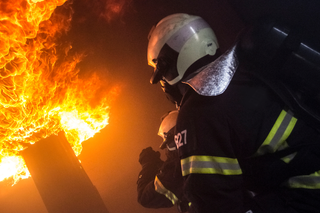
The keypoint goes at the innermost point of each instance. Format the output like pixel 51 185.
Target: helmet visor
pixel 159 70
pixel 168 140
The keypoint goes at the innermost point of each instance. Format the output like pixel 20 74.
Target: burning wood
pixel 40 91
pixel 61 181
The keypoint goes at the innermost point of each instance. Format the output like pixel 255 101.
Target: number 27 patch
pixel 181 138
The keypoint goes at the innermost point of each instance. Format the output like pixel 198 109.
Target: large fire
pixel 40 91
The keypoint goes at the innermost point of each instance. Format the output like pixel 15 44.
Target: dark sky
pixel 116 43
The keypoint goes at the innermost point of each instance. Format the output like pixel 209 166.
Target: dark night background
pixel 114 35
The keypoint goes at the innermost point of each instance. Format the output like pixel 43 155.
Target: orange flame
pixel 40 91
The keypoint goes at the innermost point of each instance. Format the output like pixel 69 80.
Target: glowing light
pixel 40 91
pixel 13 166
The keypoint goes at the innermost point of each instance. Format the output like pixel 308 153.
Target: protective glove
pixel 149 156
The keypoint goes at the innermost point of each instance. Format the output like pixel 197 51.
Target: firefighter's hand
pixel 148 155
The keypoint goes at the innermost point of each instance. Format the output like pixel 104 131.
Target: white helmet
pixel 176 43
pixel 166 130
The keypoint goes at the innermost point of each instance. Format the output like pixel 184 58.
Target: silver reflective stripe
pixel 278 134
pixel 306 181
pixel 210 165
pixel 162 190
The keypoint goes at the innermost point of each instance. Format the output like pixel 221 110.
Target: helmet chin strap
pixel 172 92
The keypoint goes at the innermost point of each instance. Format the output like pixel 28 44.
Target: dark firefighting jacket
pixel 161 187
pixel 246 139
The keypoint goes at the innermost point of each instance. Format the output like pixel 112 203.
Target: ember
pixel 41 92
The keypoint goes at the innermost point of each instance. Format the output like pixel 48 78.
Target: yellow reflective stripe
pixel 288 158
pixel 278 134
pixel 305 181
pixel 210 165
pixel 159 187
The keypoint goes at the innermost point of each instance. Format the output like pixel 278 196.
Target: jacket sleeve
pixel 147 195
pixel 169 181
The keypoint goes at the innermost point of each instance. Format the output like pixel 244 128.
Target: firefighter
pixel 241 148
pixel 160 183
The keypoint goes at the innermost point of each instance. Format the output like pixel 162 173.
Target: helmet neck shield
pixel 214 78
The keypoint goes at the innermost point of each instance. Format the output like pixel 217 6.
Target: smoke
pixel 109 10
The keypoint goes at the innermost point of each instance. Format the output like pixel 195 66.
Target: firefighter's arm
pixel 147 196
